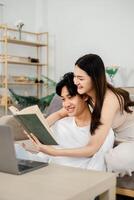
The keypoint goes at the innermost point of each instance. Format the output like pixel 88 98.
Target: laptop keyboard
pixel 23 167
pixel 29 164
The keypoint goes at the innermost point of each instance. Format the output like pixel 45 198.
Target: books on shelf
pixel 34 122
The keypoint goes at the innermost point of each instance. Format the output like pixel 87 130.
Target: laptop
pixel 8 161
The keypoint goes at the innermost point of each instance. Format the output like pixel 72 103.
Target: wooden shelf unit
pixel 36 41
pixel 23 42
pixel 23 63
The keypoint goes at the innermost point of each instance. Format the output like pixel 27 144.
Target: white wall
pixel 1 11
pixel 32 12
pixel 76 27
pixel 41 15
pixel 104 27
pixel 21 10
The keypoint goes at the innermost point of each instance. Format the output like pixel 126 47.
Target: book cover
pixel 34 122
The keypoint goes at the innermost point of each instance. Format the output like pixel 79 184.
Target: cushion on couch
pixel 16 128
pixel 55 105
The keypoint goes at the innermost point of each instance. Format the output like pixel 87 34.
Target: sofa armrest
pixel 16 128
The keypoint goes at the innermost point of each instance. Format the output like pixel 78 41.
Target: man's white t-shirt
pixel 69 135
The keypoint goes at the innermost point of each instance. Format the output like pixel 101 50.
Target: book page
pixel 34 122
pixel 31 110
pixel 34 110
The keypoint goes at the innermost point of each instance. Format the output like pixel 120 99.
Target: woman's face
pixel 83 81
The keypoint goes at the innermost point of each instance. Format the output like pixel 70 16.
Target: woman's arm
pixel 86 151
pixel 50 150
pixel 109 110
pixel 51 119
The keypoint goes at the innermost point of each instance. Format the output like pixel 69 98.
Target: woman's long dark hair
pixel 93 65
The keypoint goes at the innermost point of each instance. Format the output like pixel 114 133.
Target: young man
pixel 72 133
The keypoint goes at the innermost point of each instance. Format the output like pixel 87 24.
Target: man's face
pixel 73 105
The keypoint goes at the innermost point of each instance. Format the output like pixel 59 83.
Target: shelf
pixel 37 47
pixel 2 105
pixel 3 101
pixel 23 63
pixel 23 83
pixel 24 42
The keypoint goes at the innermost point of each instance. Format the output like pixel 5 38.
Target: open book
pixel 34 122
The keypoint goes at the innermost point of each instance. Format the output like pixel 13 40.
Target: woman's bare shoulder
pixel 110 96
pixel 111 100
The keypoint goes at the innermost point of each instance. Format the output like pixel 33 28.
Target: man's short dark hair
pixel 68 81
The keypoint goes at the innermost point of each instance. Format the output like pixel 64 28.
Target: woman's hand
pixel 29 147
pixel 48 149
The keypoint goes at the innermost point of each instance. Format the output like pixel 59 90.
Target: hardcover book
pixel 34 122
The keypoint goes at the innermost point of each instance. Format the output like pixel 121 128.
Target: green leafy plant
pixel 25 101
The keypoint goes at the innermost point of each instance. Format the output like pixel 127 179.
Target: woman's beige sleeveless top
pixel 123 125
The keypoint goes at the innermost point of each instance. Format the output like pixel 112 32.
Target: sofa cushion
pixel 16 128
pixel 55 105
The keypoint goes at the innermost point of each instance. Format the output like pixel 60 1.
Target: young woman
pixel 109 106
